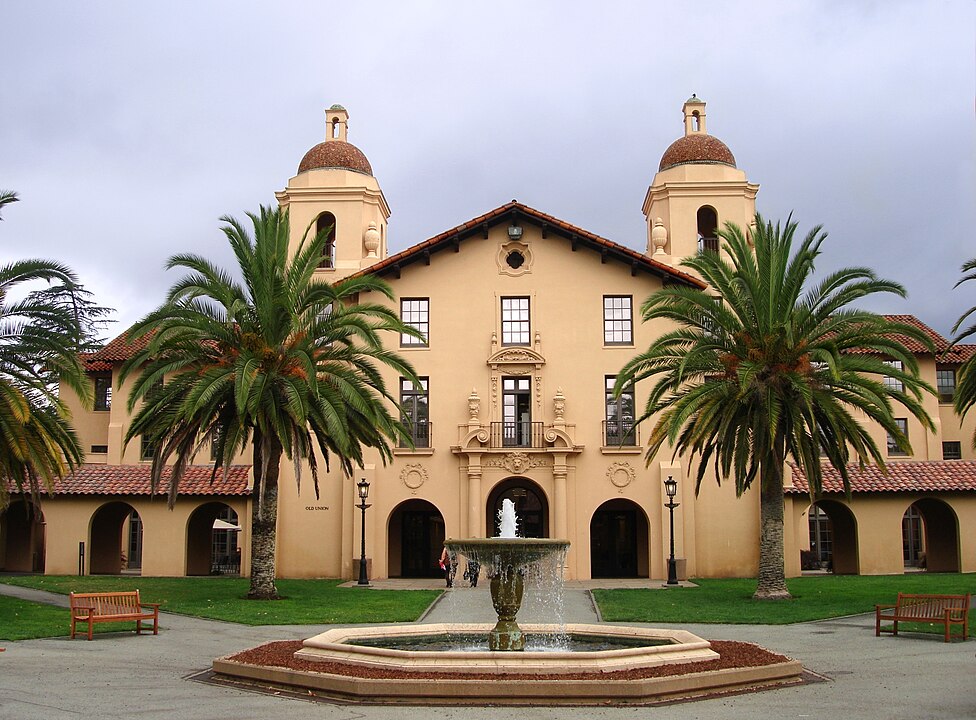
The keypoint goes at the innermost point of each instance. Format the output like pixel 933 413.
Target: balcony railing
pixel 517 434
pixel 419 432
pixel 620 433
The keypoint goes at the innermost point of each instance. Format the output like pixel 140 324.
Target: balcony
pixel 620 433
pixel 516 435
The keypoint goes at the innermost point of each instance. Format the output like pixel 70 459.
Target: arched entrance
pixel 115 540
pixel 22 538
pixel 619 540
pixel 212 532
pixel 930 536
pixel 833 537
pixel 531 507
pixel 415 538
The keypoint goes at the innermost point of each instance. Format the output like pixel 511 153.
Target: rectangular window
pixel 945 380
pixel 103 392
pixel 952 450
pixel 893 448
pixel 414 399
pixel 415 312
pixel 515 321
pixel 102 449
pixel 517 430
pixel 618 320
pixel 894 383
pixel 620 429
pixel 146 449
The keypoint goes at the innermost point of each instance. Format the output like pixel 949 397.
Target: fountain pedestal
pixel 507 587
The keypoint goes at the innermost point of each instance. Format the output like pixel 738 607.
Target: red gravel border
pixel 733 654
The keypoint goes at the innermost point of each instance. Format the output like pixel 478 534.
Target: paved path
pixel 910 677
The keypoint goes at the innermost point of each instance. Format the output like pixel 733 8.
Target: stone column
pixel 475 511
pixel 559 473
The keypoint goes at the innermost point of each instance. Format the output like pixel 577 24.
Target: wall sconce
pixel 514 232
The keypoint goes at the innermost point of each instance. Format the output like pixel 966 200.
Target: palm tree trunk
pixel 264 521
pixel 772 572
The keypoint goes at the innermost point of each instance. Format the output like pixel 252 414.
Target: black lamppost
pixel 363 489
pixel 671 488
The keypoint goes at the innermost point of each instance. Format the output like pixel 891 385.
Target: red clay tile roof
pixel 335 154
pixel 92 479
pixel 914 346
pixel 119 349
pixel 513 210
pixel 908 476
pixel 697 148
pixel 957 354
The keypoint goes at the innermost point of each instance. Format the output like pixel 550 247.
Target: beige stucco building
pixel 526 319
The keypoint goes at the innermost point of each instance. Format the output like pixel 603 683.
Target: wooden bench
pixel 946 610
pixel 94 608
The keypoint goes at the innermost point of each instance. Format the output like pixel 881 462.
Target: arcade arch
pixel 212 533
pixel 833 537
pixel 115 540
pixel 930 536
pixel 619 540
pixel 415 538
pixel 22 538
pixel 531 507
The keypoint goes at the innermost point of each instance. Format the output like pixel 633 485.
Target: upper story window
pixel 945 380
pixel 894 383
pixel 619 427
pixel 952 450
pixel 893 448
pixel 414 400
pixel 326 222
pixel 618 320
pixel 515 321
pixel 103 392
pixel 707 229
pixel 146 449
pixel 415 312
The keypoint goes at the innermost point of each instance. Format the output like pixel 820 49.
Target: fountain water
pixel 399 663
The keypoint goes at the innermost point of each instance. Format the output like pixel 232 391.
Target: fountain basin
pixel 337 645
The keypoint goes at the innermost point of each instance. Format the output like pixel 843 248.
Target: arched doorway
pixel 833 537
pixel 115 540
pixel 619 541
pixel 930 536
pixel 22 538
pixel 531 507
pixel 212 532
pixel 415 538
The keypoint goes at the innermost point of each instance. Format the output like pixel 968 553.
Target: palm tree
pixel 38 342
pixel 281 362
pixel 7 197
pixel 768 371
pixel 965 396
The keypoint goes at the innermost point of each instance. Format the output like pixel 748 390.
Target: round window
pixel 515 259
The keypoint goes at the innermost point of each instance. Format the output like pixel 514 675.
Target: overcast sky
pixel 129 128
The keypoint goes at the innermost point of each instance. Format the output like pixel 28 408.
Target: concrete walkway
pixel 123 676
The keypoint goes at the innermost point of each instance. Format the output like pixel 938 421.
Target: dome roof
pixel 697 148
pixel 335 154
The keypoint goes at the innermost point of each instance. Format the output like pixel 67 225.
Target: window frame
pixel 513 320
pixel 420 323
pixel 328 260
pixel 626 437
pixel 958 450
pixel 610 321
pixel 103 396
pixel 945 398
pixel 892 383
pixel 409 405
pixel 893 449
pixel 146 450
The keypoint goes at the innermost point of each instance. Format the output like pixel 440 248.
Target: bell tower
pixel 697 189
pixel 335 190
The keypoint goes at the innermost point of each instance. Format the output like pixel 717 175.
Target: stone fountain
pixel 443 663
pixel 505 559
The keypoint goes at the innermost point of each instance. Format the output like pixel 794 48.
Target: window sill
pixel 621 450
pixel 418 451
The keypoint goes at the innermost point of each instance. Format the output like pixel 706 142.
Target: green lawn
pixel 21 620
pixel 815 598
pixel 306 602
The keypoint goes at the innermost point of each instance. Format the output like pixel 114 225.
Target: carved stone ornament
pixel 413 476
pixel 659 236
pixel 371 240
pixel 516 462
pixel 514 259
pixel 474 405
pixel 621 474
pixel 559 404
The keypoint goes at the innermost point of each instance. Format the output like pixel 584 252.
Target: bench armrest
pixel 879 608
pixel 152 605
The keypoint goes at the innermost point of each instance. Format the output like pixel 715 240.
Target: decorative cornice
pixel 516 356
pixel 516 462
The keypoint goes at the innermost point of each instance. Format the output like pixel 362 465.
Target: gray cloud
pixel 129 128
